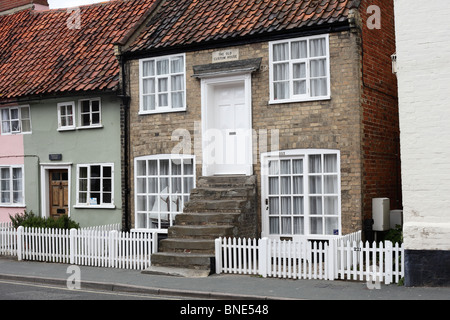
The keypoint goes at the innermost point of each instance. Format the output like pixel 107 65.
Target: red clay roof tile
pixel 39 54
pixel 188 22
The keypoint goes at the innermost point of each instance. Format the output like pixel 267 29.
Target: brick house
pixel 284 112
pixel 60 109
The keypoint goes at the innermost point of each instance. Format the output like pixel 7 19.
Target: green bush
pixel 29 219
pixel 395 235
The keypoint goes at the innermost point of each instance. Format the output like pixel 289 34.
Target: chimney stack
pixel 11 6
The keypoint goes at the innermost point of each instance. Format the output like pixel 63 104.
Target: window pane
pixel 273 185
pixel 176 185
pixel 153 185
pixel 153 167
pixel 164 167
pixel 315 205
pixel 95 171
pixel 107 197
pixel 107 172
pixel 164 185
pixel 330 163
pixel 286 227
pixel 82 197
pixel 95 185
pixel 331 205
pixel 95 105
pixel 95 118
pixel 148 68
pixel 317 47
pixel 285 185
pixel 319 87
pixel 162 67
pixel 318 68
pixel 163 100
pixel 273 167
pixel 299 225
pixel 331 226
pixel 297 166
pixel 274 225
pixel 299 49
pixel 315 184
pixel 5 114
pixel 188 184
pixel 281 90
pixel 286 205
pixel 285 166
pixel 85 106
pixel 280 71
pixel 188 168
pixel 141 185
pixel 149 103
pixel 274 205
pixel 315 164
pixel 86 119
pixel 316 225
pixel 300 87
pixel 281 52
pixel 177 65
pixel 176 168
pixel 83 172
pixel 298 185
pixel 107 185
pixel 148 86
pixel 299 71
pixel 330 184
pixel 141 167
pixel 298 206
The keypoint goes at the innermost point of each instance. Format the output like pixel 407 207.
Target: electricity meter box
pixel 381 214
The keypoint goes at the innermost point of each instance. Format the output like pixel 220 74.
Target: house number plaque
pixel 225 55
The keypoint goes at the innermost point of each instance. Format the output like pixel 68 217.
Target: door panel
pixel 59 193
pixel 232 125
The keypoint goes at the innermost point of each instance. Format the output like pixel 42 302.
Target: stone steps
pixel 216 209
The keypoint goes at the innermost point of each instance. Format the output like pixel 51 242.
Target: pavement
pixel 214 287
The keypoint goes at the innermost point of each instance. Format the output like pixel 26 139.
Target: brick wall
pixel 11 4
pixel 329 124
pixel 380 137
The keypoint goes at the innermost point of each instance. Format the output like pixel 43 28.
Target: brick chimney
pixel 13 5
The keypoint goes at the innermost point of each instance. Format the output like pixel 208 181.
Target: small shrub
pixel 29 219
pixel 395 235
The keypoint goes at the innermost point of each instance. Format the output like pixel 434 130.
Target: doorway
pixel 59 192
pixel 227 126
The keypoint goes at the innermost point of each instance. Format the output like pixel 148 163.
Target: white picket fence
pixel 102 246
pixel 346 257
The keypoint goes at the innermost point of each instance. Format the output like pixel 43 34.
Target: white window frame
pixel 11 189
pixel 300 154
pixel 96 125
pixel 87 204
pixel 307 96
pixel 149 214
pixel 19 119
pixel 169 107
pixel 74 112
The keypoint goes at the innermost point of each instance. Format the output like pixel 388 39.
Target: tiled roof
pixel 40 54
pixel 189 22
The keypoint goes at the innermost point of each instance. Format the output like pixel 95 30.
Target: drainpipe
pixel 125 150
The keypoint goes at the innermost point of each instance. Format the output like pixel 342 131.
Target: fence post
pixel 388 262
pixel 112 248
pixel 218 254
pixel 72 245
pixel 19 243
pixel 263 257
pixel 331 255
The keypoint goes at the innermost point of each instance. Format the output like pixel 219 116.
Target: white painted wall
pixel 423 58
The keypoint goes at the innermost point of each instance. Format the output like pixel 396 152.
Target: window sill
pixel 86 206
pixel 67 129
pixel 90 127
pixel 142 113
pixel 299 100
pixel 19 205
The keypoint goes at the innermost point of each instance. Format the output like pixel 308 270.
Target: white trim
pixel 14 205
pixel 307 96
pixel 298 153
pixel 45 187
pixel 169 108
pixel 102 205
pixel 91 126
pixel 159 157
pixel 74 112
pixel 20 120
pixel 206 85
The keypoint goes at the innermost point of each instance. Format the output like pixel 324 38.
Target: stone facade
pixel 326 124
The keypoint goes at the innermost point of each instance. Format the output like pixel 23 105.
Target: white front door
pixel 227 135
